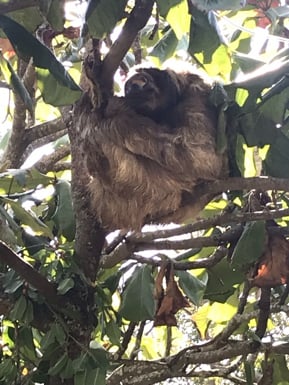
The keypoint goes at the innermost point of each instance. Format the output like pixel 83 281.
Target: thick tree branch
pixel 47 163
pixel 135 22
pixel 44 129
pixel 27 272
pixel 89 238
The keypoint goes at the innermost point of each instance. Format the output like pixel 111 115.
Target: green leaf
pixel 95 377
pixel 59 366
pixel 222 279
pixel 59 333
pixel 102 16
pixel 29 218
pixel 113 332
pixel 8 370
pixel 165 5
pixel 19 308
pixel 64 214
pixel 13 79
pixel 138 302
pixel 277 160
pixel 203 36
pixel 65 285
pixel 55 15
pixel 179 19
pixel 68 371
pixel 257 129
pixel 80 377
pixel 28 315
pixel 19 180
pixel 280 370
pixel 249 372
pixel 250 246
pixel 193 287
pixel 165 47
pixel 27 46
pixel 26 343
pixel 53 92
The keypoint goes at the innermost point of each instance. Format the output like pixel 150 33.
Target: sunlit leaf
pixel 15 181
pixel 203 36
pixel 200 319
pixel 53 92
pixel 221 312
pixel 165 5
pixel 179 19
pixel 29 218
pixel 165 47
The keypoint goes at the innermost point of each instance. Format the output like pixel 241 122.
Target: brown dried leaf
pixel 273 268
pixel 171 301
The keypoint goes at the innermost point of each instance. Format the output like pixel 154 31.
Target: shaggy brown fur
pixel 150 148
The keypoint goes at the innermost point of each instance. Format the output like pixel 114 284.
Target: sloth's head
pixel 152 92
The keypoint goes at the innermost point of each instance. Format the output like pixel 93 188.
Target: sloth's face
pixel 142 93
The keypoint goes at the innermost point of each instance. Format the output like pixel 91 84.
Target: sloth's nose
pixel 134 86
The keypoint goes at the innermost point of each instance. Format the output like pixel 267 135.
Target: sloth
pixel 148 150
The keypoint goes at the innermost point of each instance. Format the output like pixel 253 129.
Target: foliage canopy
pixel 204 300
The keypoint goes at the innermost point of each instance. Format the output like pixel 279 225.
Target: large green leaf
pixel 55 15
pixel 257 129
pixel 102 16
pixel 138 302
pixel 13 79
pixel 203 36
pixel 64 214
pixel 250 246
pixel 27 46
pixel 221 282
pixel 179 19
pixel 28 218
pixel 17 181
pixel 193 287
pixel 53 92
pixel 165 5
pixel 165 47
pixel 277 159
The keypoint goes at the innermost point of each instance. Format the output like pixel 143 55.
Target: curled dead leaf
pixel 171 300
pixel 273 266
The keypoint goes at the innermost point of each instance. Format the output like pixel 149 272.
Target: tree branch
pixel 27 272
pixel 135 22
pixel 214 351
pixel 44 129
pixel 47 162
